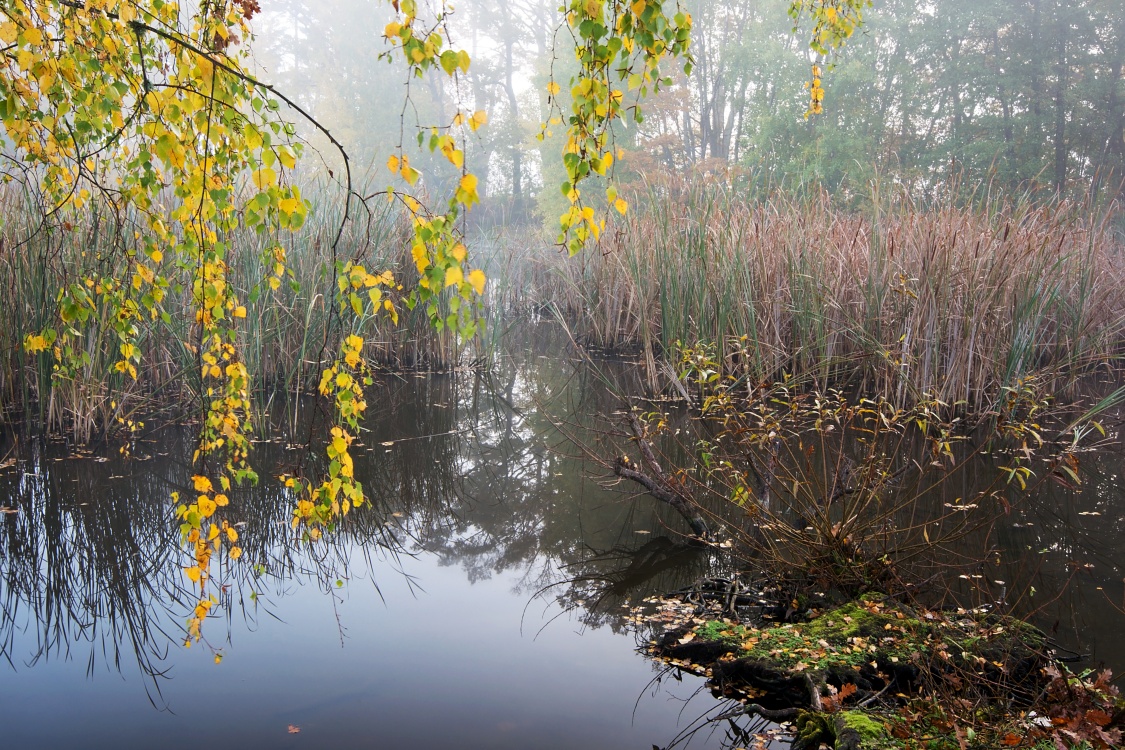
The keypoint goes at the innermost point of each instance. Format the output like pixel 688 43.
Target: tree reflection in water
pixel 463 468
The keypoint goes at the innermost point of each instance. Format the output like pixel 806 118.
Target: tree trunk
pixel 1060 109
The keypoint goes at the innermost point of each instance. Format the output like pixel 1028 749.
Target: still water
pixel 481 601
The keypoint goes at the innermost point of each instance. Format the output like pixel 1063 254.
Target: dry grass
pixel 898 300
pixel 957 302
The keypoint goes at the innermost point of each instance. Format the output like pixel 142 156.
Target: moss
pixel 849 729
pixel 847 637
pixel 875 631
pixel 867 726
pixel 721 630
pixel 863 648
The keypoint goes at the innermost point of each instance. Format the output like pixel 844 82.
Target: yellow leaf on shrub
pixel 477 280
pixel 453 275
pixel 264 178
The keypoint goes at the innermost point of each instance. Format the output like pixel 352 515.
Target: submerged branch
pixel 660 487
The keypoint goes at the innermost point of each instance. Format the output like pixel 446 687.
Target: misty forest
pixel 570 373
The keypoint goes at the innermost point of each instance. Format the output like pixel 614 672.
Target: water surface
pixel 481 601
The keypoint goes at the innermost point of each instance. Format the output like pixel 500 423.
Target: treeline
pixel 1026 93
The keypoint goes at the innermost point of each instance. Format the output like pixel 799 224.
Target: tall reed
pixel 285 338
pixel 954 301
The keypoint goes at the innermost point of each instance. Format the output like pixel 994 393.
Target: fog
pixel 1023 95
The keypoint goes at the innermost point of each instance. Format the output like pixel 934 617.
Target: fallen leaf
pixel 1097 717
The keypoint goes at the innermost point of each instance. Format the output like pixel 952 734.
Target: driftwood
pixel 659 485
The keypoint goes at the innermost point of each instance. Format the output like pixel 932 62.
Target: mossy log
pixel 870 647
pixel 845 730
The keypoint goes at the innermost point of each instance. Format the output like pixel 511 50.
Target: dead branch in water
pixel 659 485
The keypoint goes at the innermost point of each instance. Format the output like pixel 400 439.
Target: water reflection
pixel 457 592
pixel 478 528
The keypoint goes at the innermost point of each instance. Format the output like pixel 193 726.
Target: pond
pixel 482 600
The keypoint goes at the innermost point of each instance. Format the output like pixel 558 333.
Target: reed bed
pixel 958 302
pixel 287 336
pixel 898 300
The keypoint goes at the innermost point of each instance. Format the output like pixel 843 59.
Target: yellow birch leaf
pixel 264 178
pixel 477 280
pixel 286 157
pixel 467 190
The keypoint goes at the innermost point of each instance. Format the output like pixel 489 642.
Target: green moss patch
pixel 872 642
pixel 879 675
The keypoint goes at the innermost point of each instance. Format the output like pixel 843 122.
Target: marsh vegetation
pixel 789 345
